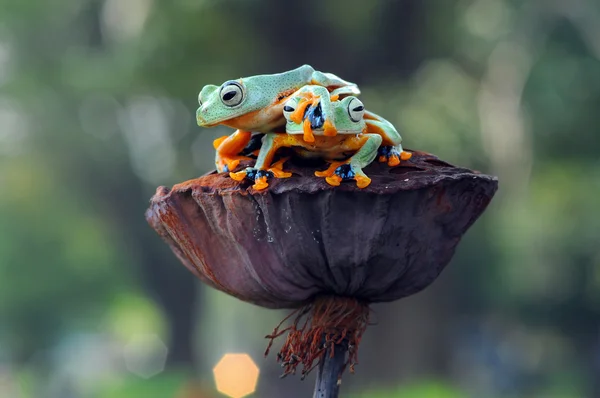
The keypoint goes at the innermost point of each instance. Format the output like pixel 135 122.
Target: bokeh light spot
pixel 145 355
pixel 236 375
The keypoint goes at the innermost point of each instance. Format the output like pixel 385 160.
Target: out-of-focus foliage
pixel 425 389
pixel 97 101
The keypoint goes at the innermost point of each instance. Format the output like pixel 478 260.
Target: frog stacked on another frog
pixel 283 106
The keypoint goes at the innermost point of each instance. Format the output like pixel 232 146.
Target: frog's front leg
pixel 314 111
pixel 391 150
pixel 366 146
pixel 262 170
pixel 229 148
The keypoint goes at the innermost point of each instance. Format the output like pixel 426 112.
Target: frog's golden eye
pixel 356 110
pixel 289 107
pixel 232 93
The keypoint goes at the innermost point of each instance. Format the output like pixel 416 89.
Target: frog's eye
pixel 232 93
pixel 289 107
pixel 356 110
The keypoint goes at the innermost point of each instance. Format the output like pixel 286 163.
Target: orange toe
pixel 334 180
pixel 405 155
pixel 393 161
pixel 260 183
pixel 362 181
pixel 233 164
pixel 382 159
pixel 239 176
pixel 277 173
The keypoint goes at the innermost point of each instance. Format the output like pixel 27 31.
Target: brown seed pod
pixel 302 239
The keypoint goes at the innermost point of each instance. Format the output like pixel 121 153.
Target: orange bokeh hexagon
pixel 236 375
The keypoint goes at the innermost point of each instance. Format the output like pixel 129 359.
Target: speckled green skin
pixel 338 113
pixel 379 130
pixel 260 111
pixel 262 92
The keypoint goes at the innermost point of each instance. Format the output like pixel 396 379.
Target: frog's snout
pixel 201 121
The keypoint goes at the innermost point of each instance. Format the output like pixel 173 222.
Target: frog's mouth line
pixel 203 123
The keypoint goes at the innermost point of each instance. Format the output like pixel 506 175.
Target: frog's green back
pixel 258 92
pixel 261 93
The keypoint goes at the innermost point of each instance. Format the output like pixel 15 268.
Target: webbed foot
pixel 330 171
pixel 261 177
pixel 392 156
pixel 277 169
pixel 229 163
pixel 339 171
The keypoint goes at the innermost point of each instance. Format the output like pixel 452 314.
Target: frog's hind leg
pixel 330 170
pixel 367 145
pixel 277 169
pixel 229 149
pixel 391 150
pixel 335 83
pixel 263 169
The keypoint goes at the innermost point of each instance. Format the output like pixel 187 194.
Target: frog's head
pixel 347 116
pixel 220 103
pixel 247 97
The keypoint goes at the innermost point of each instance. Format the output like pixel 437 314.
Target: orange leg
pixel 219 141
pixel 277 169
pixel 271 144
pixel 365 146
pixel 329 172
pixel 298 114
pixel 228 149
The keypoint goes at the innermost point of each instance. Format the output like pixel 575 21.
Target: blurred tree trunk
pixel 410 339
pixel 394 25
pixel 165 280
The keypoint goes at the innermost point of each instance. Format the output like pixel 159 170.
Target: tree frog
pixel 255 105
pixel 309 113
pixel 350 137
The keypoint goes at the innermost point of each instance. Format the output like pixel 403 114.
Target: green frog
pixel 319 124
pixel 254 105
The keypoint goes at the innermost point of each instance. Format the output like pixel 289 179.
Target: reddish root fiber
pixel 322 324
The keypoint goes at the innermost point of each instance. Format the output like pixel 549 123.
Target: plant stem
pixel 329 375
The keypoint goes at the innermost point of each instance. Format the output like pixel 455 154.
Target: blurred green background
pixel 97 102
